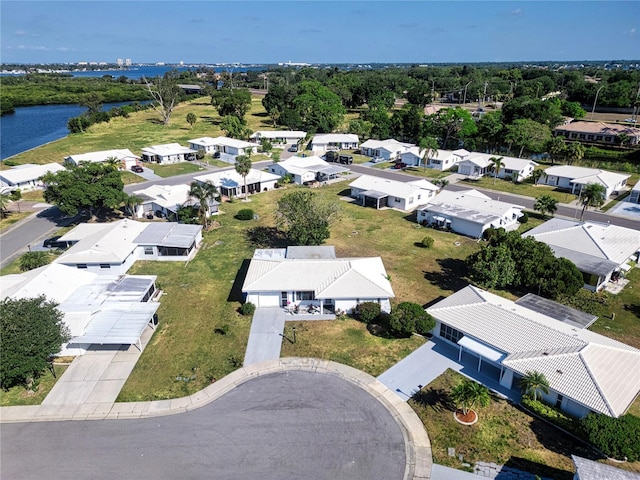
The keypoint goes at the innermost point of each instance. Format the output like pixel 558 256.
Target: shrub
pixel 247 309
pixel 524 218
pixel 616 437
pixel 368 312
pixel 427 242
pixel 245 214
pixel 408 317
pixel 551 414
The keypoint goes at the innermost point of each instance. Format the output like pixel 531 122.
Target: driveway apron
pixel 265 337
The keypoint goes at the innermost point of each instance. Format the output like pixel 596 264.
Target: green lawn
pixel 12 216
pixel 526 188
pixel 174 169
pixel 20 396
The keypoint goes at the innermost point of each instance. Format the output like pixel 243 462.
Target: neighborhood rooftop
pixel 470 205
pixel 27 172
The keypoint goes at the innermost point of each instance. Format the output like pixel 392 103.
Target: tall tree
pixel 469 394
pixel 131 204
pixel 243 167
pixel 496 164
pixel 528 134
pixel 575 152
pixel 318 107
pixel 165 94
pixel 234 127
pixel 232 101
pixel 534 383
pixel 93 101
pixel 429 148
pixel 32 330
pixel 536 175
pixel 546 205
pixel 204 193
pixel 191 119
pixel 592 195
pixel 306 216
pixel 5 201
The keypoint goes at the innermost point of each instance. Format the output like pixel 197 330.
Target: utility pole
pixel 484 95
pixel 464 101
pixel 595 100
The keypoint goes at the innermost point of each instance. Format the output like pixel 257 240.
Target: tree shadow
pixel 436 399
pixel 235 295
pixel 535 468
pixel 634 309
pixel 452 275
pixel 267 237
pixel 560 442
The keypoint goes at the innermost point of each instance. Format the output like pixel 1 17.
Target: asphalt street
pixel 287 425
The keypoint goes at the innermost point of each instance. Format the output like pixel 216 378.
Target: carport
pixel 373 198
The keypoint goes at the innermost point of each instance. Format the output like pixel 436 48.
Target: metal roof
pixel 232 179
pixel 168 235
pixel 102 156
pixel 392 188
pixel 29 172
pixel 592 470
pixel 311 252
pixel 556 310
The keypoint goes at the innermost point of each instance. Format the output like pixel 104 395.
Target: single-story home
pixel 591 470
pixel 334 141
pixel 574 179
pixel 389 149
pixel 231 147
pixel 168 199
pixel 27 176
pixel 379 192
pixel 168 153
pixel 97 309
pixel 599 250
pixel 442 160
pixel 126 158
pixel 278 137
pixel 314 276
pixel 479 164
pixel 599 132
pixel 307 169
pixel 634 196
pixel 587 372
pixel 111 248
pixel 469 213
pixel 231 184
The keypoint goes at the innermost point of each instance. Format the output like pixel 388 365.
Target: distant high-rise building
pixel 127 62
pixel 120 62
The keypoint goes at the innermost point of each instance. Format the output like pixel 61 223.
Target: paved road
pixel 286 425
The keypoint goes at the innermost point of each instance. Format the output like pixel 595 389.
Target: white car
pixel 377 160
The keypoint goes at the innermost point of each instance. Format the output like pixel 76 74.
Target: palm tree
pixel 533 383
pixel 113 162
pixel 130 203
pixel 203 192
pixel 556 147
pixel 546 204
pixel 592 195
pixel 243 167
pixel 575 152
pixel 536 175
pixel 429 146
pixel 496 165
pixel 5 201
pixel 468 394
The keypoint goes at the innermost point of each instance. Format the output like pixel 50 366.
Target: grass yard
pixel 526 188
pixel 128 178
pixel 173 169
pixel 11 217
pixel 20 396
pixel 503 434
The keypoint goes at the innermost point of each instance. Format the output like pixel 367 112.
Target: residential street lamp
pixel 464 100
pixel 595 100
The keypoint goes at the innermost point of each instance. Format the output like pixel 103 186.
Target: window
pixel 82 265
pixel 559 401
pixel 148 250
pixel 305 296
pixel 105 265
pixel 147 295
pixel 449 333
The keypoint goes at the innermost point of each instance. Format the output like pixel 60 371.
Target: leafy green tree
pixel 419 94
pixel 232 101
pixel 493 267
pixel 243 167
pixel 203 193
pixel 306 216
pixel 616 437
pixel 165 94
pixel 93 101
pixel 454 125
pixel 92 187
pixel 406 123
pixel 533 383
pixel 31 260
pixel 575 152
pixel 191 119
pixel 528 134
pixel 592 195
pixel 536 175
pixel 429 147
pixel 556 148
pixel 277 100
pixel 468 395
pixel 234 127
pixel 407 318
pixel 31 330
pixel 491 130
pixel 546 205
pixel 319 108
pixel 368 312
pixel 496 164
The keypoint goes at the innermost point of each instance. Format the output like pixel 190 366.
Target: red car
pixel 400 165
pixel 137 169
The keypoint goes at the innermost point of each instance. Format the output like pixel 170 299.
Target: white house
pixel 599 250
pixel 97 309
pixel 231 184
pixel 230 147
pixel 574 179
pixel 278 138
pixel 587 372
pixel 381 192
pixel 442 160
pixel 168 199
pixel 27 176
pixel 307 169
pixel 479 164
pixel 389 149
pixel 111 248
pixel 469 213
pixel 598 132
pixel 168 153
pixel 306 276
pixel 126 158
pixel 334 141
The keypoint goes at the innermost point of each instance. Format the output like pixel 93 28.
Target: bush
pixel 552 415
pixel 247 309
pixel 368 312
pixel 407 318
pixel 524 218
pixel 427 242
pixel 245 214
pixel 616 437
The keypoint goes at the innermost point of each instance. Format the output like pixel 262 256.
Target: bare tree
pixel 165 93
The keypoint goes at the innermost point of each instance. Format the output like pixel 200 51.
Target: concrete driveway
pixel 265 337
pixel 148 174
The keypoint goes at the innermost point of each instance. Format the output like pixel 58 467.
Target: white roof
pixel 231 178
pixel 167 149
pixel 470 205
pixel 592 470
pixel 279 134
pixel 591 369
pixel 102 156
pixel 390 144
pixel 168 196
pixel 226 141
pixel 300 165
pixel 601 240
pixel 328 277
pixel 585 175
pixel 325 138
pixel 509 163
pixel 392 187
pixel 28 172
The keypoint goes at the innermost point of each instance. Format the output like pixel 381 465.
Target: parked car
pixel 331 156
pixel 400 165
pixel 293 148
pixel 345 159
pixel 54 242
pixel 137 169
pixel 377 160
pixel 215 155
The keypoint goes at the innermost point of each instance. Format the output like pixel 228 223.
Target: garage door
pixel 269 300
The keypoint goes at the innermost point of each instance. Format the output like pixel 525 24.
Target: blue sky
pixel 318 31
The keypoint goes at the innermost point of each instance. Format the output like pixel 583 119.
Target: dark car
pixel 400 165
pixel 54 242
pixel 215 155
pixel 137 169
pixel 345 159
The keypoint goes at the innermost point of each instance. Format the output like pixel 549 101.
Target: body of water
pixel 30 127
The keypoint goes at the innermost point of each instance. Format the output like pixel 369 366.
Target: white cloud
pixel 517 12
pixel 631 32
pixel 28 47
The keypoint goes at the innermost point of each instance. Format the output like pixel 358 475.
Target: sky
pixel 321 31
